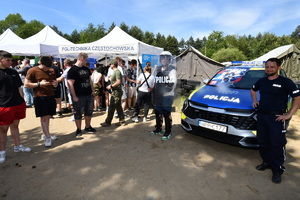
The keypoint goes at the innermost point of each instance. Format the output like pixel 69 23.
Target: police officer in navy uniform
pixel 272 116
pixel 163 94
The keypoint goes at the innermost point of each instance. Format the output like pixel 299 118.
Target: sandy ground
pixel 127 163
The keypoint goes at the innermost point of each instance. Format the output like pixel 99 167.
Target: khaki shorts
pixel 131 92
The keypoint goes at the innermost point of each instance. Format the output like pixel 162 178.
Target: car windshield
pixel 237 77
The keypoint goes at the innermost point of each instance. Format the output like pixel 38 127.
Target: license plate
pixel 212 126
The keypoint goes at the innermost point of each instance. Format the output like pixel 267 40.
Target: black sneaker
pixel 276 178
pixel 59 114
pixel 90 129
pixel 104 124
pixel 78 132
pixel 263 167
pixel 120 124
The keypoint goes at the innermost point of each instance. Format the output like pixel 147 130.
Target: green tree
pixel 182 45
pixel 12 21
pixel 284 40
pixel 243 46
pixel 149 38
pixel 296 33
pixel 198 44
pixel 190 42
pixel 75 36
pixel 172 45
pixel 136 32
pixel 91 33
pixel 229 54
pixel 112 26
pixel 268 42
pixel 29 29
pixel 214 43
pixel 124 27
pixel 160 40
pixel 55 28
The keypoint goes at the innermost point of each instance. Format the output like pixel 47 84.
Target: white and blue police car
pixel 222 108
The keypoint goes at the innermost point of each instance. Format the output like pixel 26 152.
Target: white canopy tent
pixel 116 42
pixel 45 42
pixel 8 36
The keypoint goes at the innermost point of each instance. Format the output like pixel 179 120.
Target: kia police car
pixel 222 109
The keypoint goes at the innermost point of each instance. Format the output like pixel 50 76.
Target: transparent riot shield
pixel 163 93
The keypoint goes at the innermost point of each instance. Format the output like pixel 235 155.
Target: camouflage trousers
pixel 115 104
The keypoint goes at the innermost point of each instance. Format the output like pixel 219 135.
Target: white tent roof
pixel 275 53
pixel 8 36
pixel 47 36
pixel 45 42
pixel 115 42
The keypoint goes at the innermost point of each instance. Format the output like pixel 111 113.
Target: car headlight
pixel 185 105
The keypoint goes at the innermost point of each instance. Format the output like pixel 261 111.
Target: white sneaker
pixel 72 119
pixel 48 142
pixel 144 119
pixel 21 148
pixel 135 119
pixel 2 156
pixel 53 137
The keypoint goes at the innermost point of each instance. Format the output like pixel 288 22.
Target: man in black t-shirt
pixel 274 92
pixel 82 90
pixel 12 105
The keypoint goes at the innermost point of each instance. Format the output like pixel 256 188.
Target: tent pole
pixel 63 84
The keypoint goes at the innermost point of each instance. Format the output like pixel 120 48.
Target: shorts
pixel 57 91
pixel 131 92
pixel 84 104
pixel 9 114
pixel 124 95
pixel 97 89
pixel 44 106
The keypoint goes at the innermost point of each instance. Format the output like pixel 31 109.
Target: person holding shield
pixel 163 94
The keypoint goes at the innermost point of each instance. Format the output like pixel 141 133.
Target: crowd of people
pixel 115 89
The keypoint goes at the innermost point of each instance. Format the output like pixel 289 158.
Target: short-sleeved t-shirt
pixel 37 74
pixel 131 74
pixel 82 83
pixel 65 76
pixel 274 93
pixel 10 82
pixel 116 75
pixel 144 86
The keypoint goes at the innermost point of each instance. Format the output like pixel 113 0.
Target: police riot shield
pixel 163 93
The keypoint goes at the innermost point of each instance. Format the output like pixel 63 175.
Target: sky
pixel 179 18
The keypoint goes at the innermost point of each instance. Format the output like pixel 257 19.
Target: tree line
pixel 216 46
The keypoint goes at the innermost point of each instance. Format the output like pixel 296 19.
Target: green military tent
pixel 290 57
pixel 194 67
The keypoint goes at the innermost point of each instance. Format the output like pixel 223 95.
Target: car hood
pixel 223 97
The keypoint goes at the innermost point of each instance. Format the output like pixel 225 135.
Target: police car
pixel 222 109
